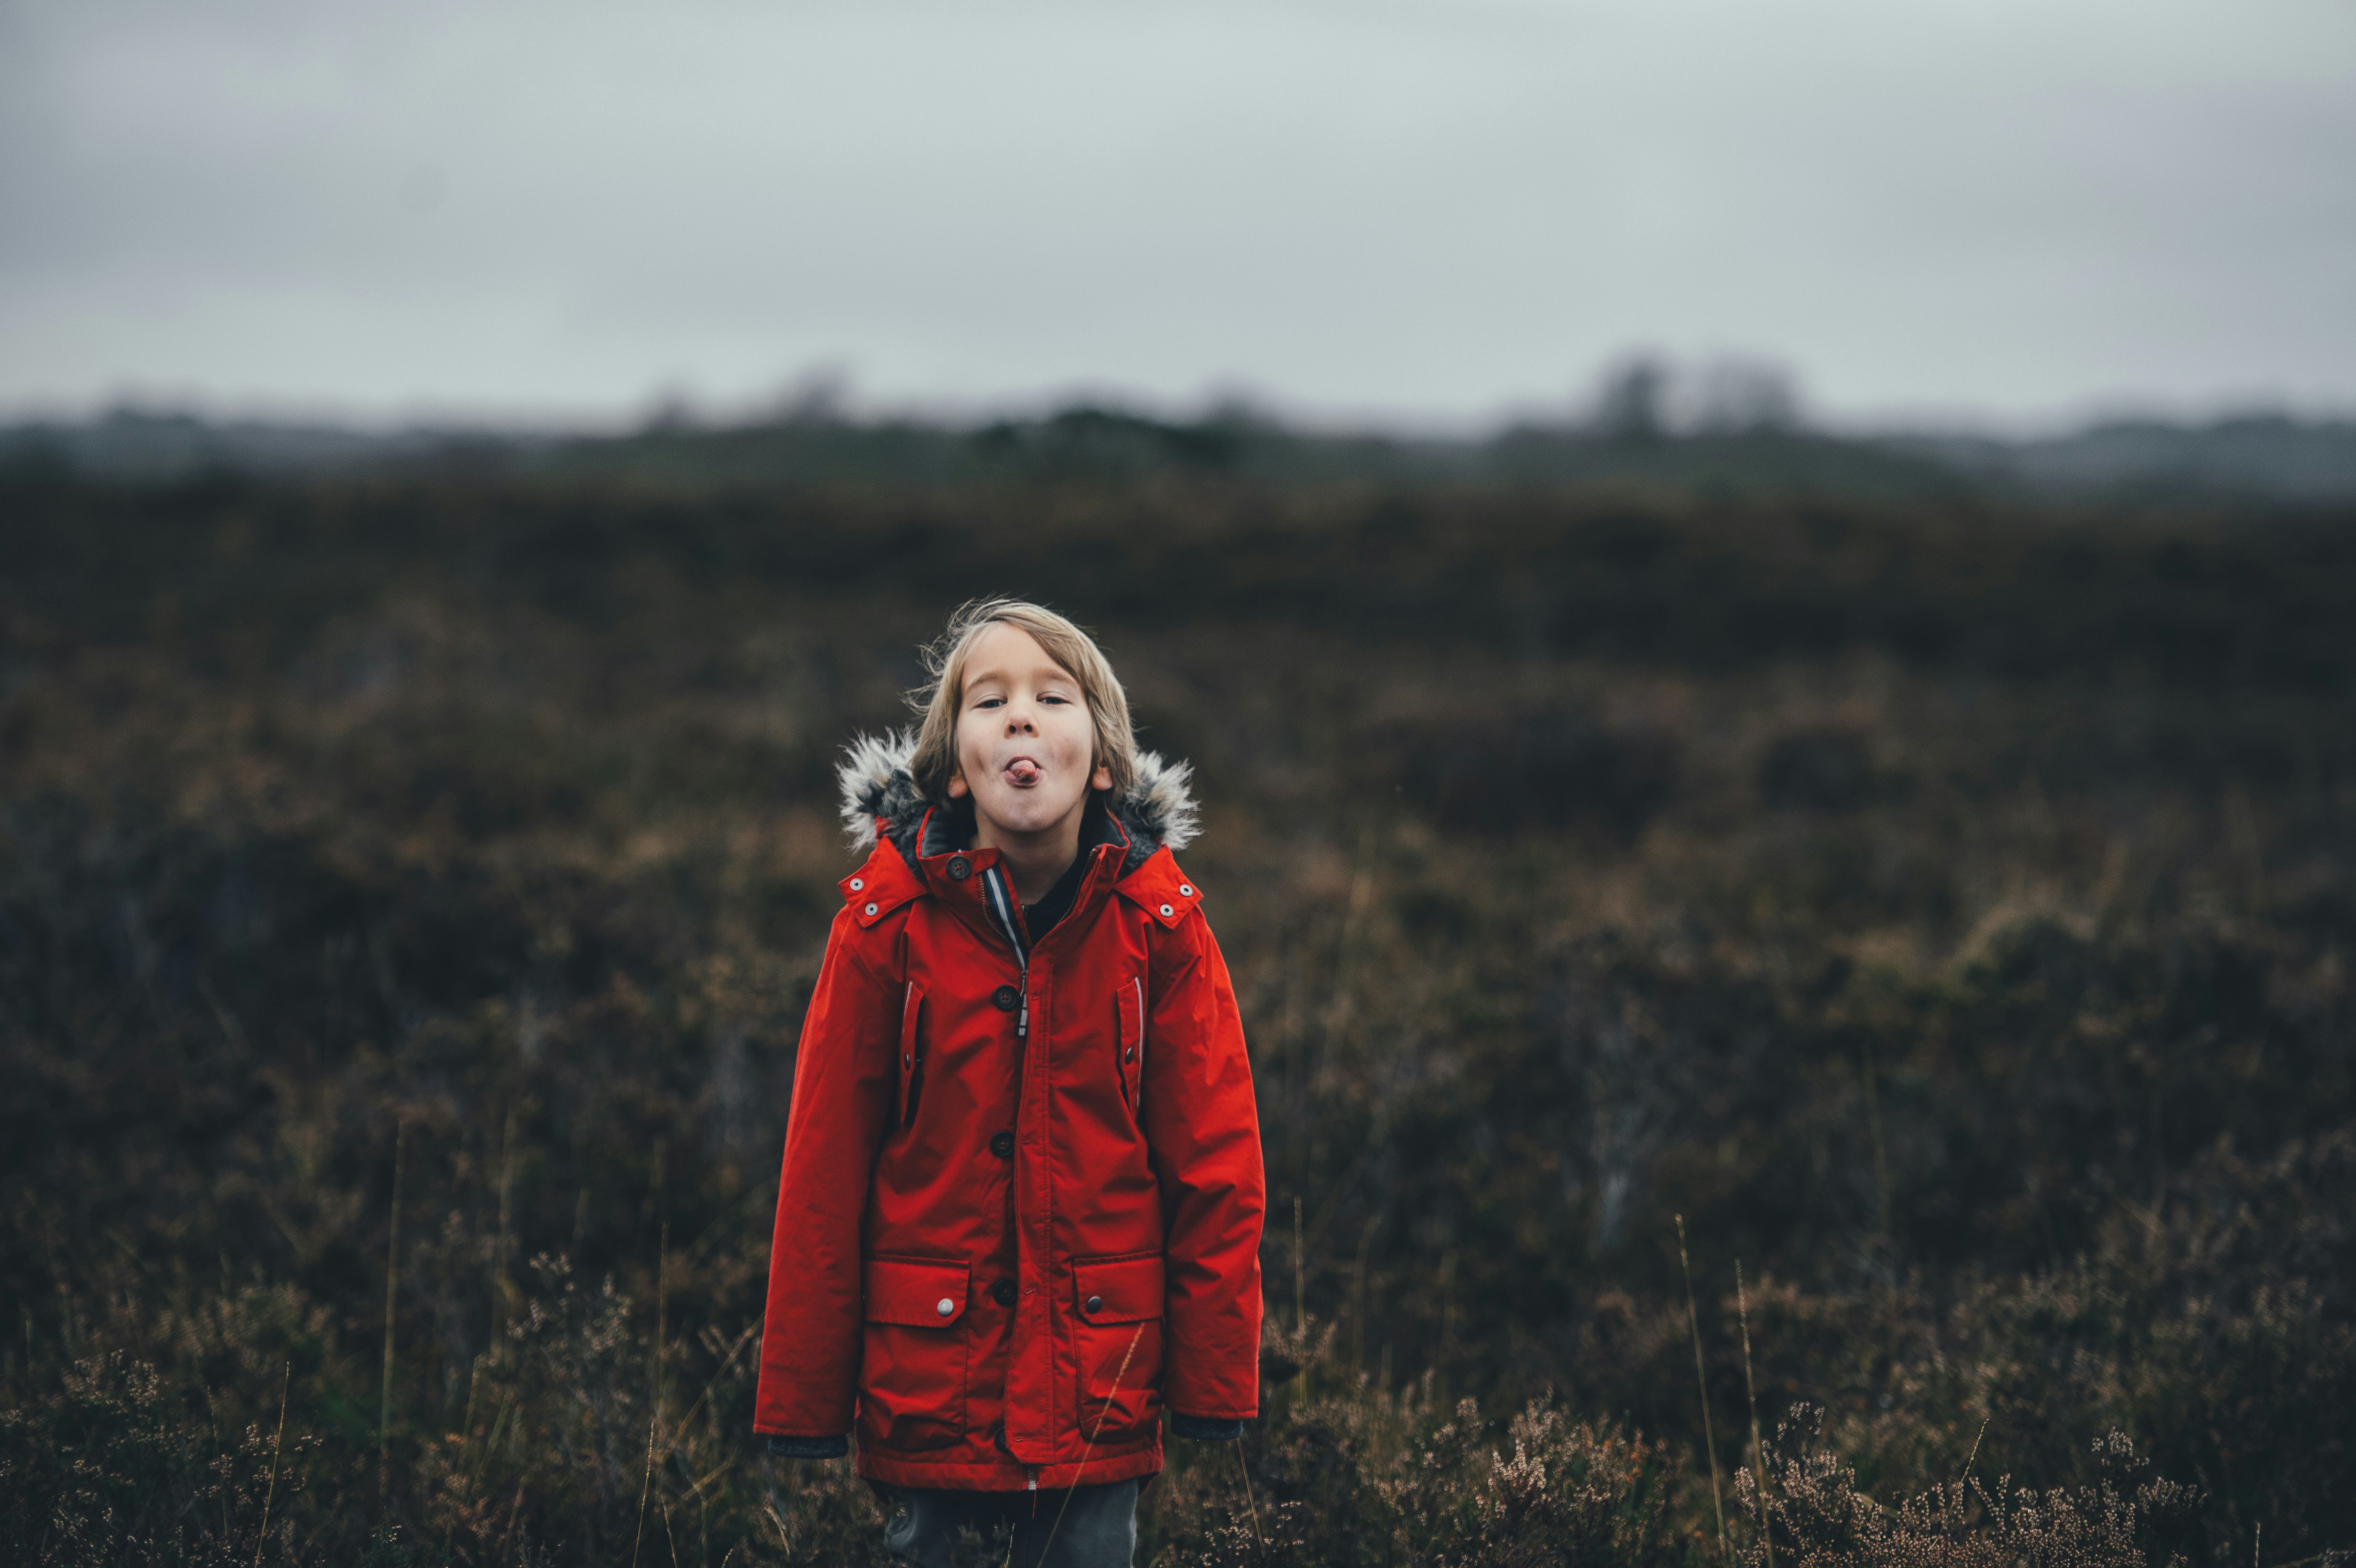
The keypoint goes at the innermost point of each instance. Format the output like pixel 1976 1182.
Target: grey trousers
pixel 1088 1527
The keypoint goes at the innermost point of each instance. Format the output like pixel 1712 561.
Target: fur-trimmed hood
pixel 1156 810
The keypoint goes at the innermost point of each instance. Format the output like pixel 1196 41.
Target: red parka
pixel 1021 1197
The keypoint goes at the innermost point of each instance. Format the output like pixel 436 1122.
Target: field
pixel 1941 908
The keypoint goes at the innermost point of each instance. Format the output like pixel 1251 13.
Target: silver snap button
pixel 945 1306
pixel 1186 889
pixel 857 886
pixel 870 909
pixel 1167 912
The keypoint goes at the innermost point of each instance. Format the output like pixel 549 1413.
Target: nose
pixel 1019 720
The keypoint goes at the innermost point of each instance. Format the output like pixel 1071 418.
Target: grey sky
pixel 1430 208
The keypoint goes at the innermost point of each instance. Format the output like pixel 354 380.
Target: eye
pixel 991 702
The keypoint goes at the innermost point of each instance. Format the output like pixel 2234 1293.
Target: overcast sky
pixel 1429 210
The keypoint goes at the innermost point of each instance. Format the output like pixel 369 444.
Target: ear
pixel 958 790
pixel 1101 779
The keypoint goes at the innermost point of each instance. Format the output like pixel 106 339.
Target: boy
pixel 1021 1197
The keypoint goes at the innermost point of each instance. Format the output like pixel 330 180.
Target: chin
pixel 1027 812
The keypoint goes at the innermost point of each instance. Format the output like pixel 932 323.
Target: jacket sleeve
pixel 841 1098
pixel 1202 1125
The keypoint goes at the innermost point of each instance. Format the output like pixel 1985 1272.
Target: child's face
pixel 1024 737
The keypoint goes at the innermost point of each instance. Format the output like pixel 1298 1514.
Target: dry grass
pixel 1948 916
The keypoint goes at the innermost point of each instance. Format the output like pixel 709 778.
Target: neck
pixel 1036 861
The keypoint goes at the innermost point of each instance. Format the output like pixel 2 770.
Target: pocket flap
pixel 1119 1290
pixel 913 1292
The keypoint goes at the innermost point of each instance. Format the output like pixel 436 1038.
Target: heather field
pixel 1937 910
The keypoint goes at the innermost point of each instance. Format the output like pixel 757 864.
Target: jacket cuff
pixel 1206 1428
pixel 833 1447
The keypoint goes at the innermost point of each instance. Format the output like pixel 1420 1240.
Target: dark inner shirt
pixel 1095 828
pixel 1040 918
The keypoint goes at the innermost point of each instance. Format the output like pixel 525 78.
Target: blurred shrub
pixel 1816 770
pixel 1806 1503
pixel 1539 773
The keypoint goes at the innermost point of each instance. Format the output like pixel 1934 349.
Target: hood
pixel 1156 810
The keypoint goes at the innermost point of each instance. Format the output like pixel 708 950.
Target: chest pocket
pixel 910 1062
pixel 1129 1005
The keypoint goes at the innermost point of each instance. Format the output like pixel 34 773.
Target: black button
pixel 1002 1293
pixel 1006 996
pixel 999 1437
pixel 1095 1303
pixel 1002 1145
pixel 959 868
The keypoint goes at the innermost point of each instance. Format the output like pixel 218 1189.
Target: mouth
pixel 1022 771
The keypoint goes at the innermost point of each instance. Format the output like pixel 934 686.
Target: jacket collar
pixel 953 874
pixel 880 798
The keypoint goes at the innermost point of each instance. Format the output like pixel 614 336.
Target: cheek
pixel 973 747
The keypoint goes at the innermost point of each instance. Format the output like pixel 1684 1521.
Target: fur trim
pixel 1157 809
pixel 1160 803
pixel 876 783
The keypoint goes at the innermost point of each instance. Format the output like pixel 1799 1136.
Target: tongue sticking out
pixel 1023 772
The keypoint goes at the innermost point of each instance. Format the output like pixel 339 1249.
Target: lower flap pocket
pixel 1119 1290
pixel 916 1293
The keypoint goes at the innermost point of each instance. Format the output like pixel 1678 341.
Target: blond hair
pixel 934 761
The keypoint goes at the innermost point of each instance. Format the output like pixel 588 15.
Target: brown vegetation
pixel 1947 913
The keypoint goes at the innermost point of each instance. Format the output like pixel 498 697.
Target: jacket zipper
pixel 998 894
pixel 1023 1013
